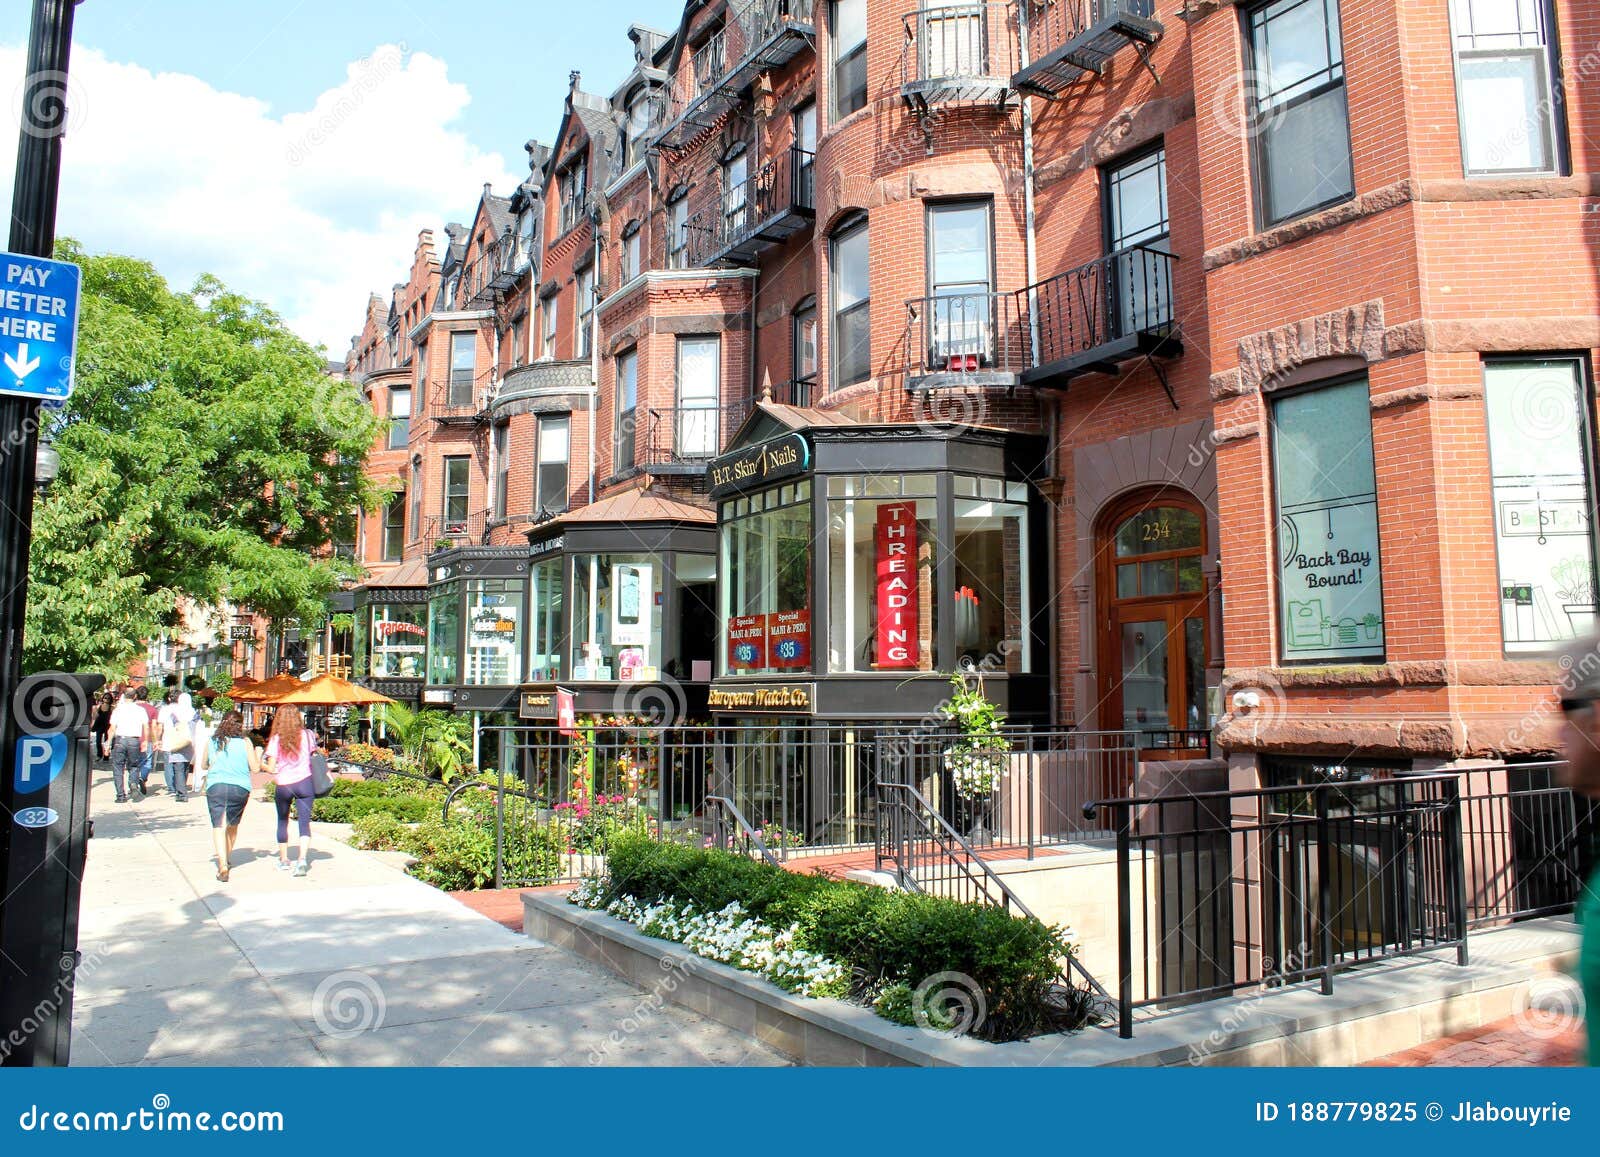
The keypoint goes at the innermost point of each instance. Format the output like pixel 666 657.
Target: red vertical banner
pixel 566 713
pixel 897 585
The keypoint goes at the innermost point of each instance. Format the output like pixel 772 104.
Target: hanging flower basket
pixel 975 773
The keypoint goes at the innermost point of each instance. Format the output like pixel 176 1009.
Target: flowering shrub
pixel 977 759
pixel 590 825
pixel 730 936
pixel 775 835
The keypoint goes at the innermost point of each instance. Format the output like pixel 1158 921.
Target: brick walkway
pixel 1533 1040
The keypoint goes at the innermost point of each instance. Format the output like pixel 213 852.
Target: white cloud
pixel 309 210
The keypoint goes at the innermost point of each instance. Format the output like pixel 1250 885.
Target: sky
pixel 294 148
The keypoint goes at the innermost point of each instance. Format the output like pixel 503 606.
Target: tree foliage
pixel 204 453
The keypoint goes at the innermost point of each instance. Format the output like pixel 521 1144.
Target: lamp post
pixel 22 460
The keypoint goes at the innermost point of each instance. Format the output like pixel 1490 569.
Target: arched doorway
pixel 1154 631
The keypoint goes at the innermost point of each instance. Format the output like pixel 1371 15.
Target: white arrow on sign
pixel 20 364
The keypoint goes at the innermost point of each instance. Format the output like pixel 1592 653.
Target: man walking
pixel 152 734
pixel 130 738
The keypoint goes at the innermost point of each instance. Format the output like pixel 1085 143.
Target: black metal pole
pixel 33 232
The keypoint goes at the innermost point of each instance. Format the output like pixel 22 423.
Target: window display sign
pixel 789 639
pixel 399 641
pixel 1544 535
pixel 747 642
pixel 1330 578
pixel 634 597
pixel 896 544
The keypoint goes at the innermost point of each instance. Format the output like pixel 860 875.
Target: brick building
pixel 1217 373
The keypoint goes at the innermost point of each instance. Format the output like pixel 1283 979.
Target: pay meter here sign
pixel 38 326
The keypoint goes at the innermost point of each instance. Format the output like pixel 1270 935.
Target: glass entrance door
pixel 1154 630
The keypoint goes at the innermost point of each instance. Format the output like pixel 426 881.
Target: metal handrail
pixel 940 832
pixel 729 838
pixel 1125 293
pixel 963 333
pixel 956 41
pixel 689 433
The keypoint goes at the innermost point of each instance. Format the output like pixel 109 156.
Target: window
pixel 849 57
pixel 699 374
pixel 422 371
pixel 616 617
pixel 399 416
pixel 416 498
pixel 550 312
pixel 457 479
pixel 1330 578
pixel 444 633
pixel 636 133
pixel 627 407
pixel 549 625
pixel 394 528
pixel 805 159
pixel 766 602
pixel 553 452
pixel 519 337
pixel 463 367
pixel 1300 120
pixel 991 604
pixel 882 615
pixel 630 252
pixel 678 233
pixel 1507 87
pixel 399 641
pixel 1544 529
pixel 805 351
pixel 585 281
pixel 574 192
pixel 961 330
pixel 1138 232
pixel 494 632
pixel 502 467
pixel 736 193
pixel 852 321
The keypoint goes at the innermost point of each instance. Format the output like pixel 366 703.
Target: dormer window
pixel 636 133
pixel 630 252
pixel 574 191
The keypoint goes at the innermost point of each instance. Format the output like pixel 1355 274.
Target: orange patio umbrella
pixel 255 692
pixel 323 691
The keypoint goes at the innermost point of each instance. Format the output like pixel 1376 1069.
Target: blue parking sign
pixel 38 326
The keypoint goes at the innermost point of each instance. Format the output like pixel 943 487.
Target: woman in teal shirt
pixel 227 762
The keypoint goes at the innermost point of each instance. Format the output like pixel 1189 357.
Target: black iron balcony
pixel 686 437
pixel 971 338
pixel 758 36
pixel 959 54
pixel 1093 318
pixel 460 400
pixel 494 270
pixel 455 528
pixel 1069 40
pixel 768 207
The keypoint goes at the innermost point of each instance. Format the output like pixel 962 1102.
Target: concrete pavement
pixel 355 964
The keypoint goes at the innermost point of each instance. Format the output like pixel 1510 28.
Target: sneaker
pixel 122 799
pixel 143 790
pixel 181 798
pixel 301 868
pixel 284 865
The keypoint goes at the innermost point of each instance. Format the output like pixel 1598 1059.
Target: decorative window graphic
pixel 1330 578
pixel 1544 533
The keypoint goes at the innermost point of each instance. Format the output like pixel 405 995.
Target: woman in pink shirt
pixel 288 761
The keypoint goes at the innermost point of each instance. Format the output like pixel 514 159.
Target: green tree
pixel 204 453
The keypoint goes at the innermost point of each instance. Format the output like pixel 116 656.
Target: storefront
pixel 622 601
pixel 477 602
pixel 862 566
pixel 389 631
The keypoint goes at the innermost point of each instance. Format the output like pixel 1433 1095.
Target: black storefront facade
pixel 859 567
pixel 389 635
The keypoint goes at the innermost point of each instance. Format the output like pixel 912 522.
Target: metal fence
pixel 1220 891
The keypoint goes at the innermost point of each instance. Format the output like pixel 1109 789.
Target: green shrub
pixel 458 856
pixel 888 940
pixel 379 832
pixel 351 799
pixel 896 1002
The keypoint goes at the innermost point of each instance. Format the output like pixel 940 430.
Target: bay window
pixel 699 374
pixel 463 367
pixel 959 283
pixel 553 451
pixel 1544 528
pixel 989 545
pixel 457 481
pixel 616 616
pixel 881 536
pixel 766 599
pixel 627 402
pixel 444 633
pixel 1300 118
pixel 399 636
pixel 548 628
pixel 494 632
pixel 394 528
pixel 399 416
pixel 502 467
pixel 852 305
pixel 1508 90
pixel 1330 575
pixel 849 57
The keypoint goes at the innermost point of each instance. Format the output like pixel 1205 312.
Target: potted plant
pixel 976 761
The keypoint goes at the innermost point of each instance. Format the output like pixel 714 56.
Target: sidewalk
pixel 356 964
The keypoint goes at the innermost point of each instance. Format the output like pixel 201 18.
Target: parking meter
pixel 48 773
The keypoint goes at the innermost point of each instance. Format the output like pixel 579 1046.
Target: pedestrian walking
pixel 130 734
pixel 289 762
pixel 141 696
pixel 225 762
pixel 100 728
pixel 1580 700
pixel 177 720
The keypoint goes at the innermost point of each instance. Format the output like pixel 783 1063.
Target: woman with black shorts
pixel 226 763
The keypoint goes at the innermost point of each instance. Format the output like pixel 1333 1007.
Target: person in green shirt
pixel 1580 701
pixel 227 762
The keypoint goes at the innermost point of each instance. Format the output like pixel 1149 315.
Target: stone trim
pixel 1410 673
pixel 1129 129
pixel 1426 393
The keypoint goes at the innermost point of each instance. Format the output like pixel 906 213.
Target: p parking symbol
pixel 40 758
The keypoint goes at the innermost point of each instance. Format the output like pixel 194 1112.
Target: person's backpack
pixel 176 735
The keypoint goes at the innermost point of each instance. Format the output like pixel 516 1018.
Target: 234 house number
pixel 1155 531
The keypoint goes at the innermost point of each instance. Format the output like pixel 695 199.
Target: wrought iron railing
pixel 782 186
pixel 494 270
pixel 460 399
pixel 959 42
pixel 731 832
pixel 1227 890
pixel 1054 23
pixel 442 531
pixel 968 333
pixel 724 55
pixel 688 434
pixel 1124 294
